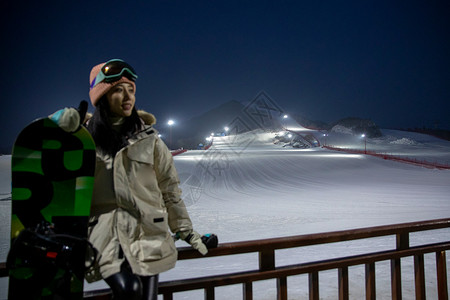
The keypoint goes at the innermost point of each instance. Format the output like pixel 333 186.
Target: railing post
pixel 314 286
pixel 209 293
pixel 370 281
pixel 396 279
pixel 282 288
pixel 419 272
pixel 168 296
pixel 248 291
pixel 441 268
pixel 402 243
pixel 343 283
pixel 266 260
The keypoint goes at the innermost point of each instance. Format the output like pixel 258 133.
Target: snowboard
pixel 52 183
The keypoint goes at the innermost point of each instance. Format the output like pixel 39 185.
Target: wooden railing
pixel 268 270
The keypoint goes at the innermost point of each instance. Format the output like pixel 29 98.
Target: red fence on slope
pixel 176 152
pixel 414 161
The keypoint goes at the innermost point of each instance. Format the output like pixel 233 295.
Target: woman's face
pixel 121 99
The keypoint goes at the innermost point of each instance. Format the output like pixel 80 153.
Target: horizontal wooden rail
pixel 256 275
pixel 314 239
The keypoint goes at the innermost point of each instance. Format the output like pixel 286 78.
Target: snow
pixel 403 141
pixel 245 188
pixel 341 129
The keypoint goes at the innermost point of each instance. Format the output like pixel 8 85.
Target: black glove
pixel 82 110
pixel 210 240
pixel 201 243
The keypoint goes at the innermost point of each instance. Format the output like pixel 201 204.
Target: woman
pixel 136 198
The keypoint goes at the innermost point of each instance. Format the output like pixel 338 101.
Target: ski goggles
pixel 113 70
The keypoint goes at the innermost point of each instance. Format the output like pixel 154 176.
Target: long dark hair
pixel 108 140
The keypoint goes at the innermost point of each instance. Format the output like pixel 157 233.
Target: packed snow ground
pixel 247 188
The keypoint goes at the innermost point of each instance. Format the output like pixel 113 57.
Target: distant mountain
pixel 310 124
pixel 216 119
pixel 189 134
pixel 358 126
pixel 233 114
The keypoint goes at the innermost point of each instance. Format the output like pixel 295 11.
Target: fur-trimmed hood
pixel 148 118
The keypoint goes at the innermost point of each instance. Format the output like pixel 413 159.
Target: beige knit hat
pixel 101 88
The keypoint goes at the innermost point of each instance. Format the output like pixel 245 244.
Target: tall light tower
pixel 365 142
pixel 170 123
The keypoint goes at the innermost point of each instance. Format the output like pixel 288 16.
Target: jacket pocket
pixel 154 241
pixel 141 151
pixel 142 181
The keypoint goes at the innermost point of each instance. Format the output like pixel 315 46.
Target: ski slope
pixel 245 188
pixel 248 188
pixel 308 189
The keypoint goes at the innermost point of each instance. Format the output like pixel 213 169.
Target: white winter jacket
pixel 136 201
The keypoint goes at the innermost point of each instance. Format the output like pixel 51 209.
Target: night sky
pixel 388 61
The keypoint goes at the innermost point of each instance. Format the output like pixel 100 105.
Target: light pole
pixel 284 124
pixel 170 123
pixel 365 142
pixel 325 135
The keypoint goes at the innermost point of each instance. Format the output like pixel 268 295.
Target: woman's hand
pixel 194 239
pixel 70 119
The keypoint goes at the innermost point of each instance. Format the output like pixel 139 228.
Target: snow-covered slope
pixel 245 188
pixel 248 188
pixel 393 142
pixel 259 186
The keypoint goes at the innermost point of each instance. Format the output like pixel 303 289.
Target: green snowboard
pixel 52 182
